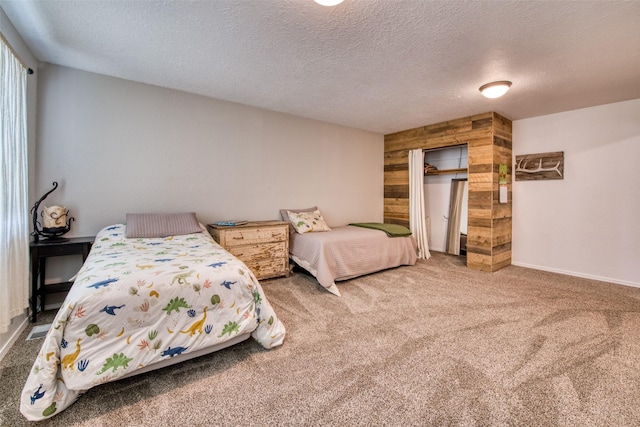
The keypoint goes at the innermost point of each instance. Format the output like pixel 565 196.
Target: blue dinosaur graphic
pixel 227 284
pixel 217 264
pixel 173 351
pixel 104 283
pixel 110 309
pixel 113 254
pixel 37 395
pixel 115 227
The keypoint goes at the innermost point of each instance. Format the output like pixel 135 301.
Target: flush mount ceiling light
pixel 495 89
pixel 328 2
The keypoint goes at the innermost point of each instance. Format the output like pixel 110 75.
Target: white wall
pixel 118 146
pixel 18 45
pixel 588 223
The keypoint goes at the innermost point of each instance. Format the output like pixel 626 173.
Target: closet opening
pixel 446 195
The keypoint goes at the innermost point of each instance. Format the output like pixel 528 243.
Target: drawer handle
pixel 238 238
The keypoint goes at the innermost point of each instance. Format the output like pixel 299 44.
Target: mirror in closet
pixel 457 229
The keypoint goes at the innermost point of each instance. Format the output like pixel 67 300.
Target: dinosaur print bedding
pixel 136 302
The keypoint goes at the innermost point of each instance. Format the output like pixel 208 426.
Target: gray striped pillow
pixel 161 225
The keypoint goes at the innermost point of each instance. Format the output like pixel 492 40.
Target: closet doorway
pixel 489 140
pixel 446 198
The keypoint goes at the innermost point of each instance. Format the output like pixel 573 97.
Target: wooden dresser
pixel 262 245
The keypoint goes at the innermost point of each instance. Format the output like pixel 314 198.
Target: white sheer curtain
pixel 14 209
pixel 417 212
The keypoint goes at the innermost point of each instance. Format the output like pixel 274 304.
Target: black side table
pixel 44 249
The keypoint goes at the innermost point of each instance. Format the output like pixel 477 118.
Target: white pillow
pixel 307 222
pixel 285 217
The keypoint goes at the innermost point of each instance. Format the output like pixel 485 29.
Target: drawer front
pixel 60 250
pixel 246 236
pixel 267 268
pixel 260 251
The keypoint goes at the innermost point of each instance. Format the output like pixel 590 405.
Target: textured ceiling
pixel 378 65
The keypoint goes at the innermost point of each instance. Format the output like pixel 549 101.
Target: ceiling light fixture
pixel 328 2
pixel 495 89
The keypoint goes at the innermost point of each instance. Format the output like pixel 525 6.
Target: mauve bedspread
pixel 349 251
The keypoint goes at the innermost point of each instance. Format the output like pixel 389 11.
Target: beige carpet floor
pixel 433 344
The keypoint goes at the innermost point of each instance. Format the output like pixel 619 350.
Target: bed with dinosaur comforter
pixel 142 303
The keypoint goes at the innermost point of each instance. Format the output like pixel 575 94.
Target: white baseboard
pixel 12 336
pixel 8 339
pixel 576 274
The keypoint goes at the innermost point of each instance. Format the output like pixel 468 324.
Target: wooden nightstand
pixel 44 249
pixel 262 245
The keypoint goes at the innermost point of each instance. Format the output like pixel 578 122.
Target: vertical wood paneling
pixel 489 139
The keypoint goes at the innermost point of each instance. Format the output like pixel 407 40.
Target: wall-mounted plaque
pixel 540 166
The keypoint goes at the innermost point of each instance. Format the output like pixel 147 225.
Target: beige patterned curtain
pixel 417 211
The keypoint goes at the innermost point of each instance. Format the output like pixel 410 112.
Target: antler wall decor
pixel 540 166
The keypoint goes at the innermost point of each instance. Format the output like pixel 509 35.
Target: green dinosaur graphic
pixel 257 297
pixel 60 323
pixel 229 328
pixel 115 362
pixel 115 264
pixel 182 278
pixel 176 304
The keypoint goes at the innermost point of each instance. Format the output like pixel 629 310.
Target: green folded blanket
pixel 392 230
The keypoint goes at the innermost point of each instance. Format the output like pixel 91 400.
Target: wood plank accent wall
pixel 489 139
